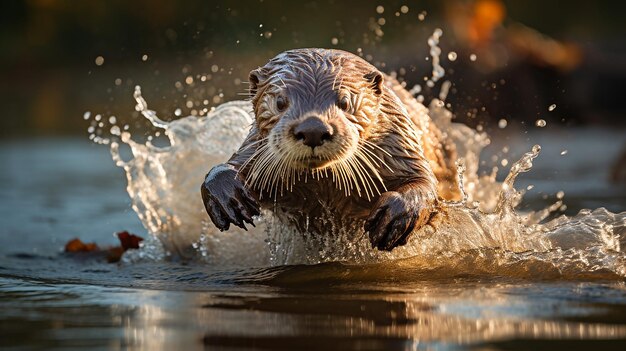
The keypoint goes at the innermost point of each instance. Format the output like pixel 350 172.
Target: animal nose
pixel 313 132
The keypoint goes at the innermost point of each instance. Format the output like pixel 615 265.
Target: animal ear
pixel 255 77
pixel 376 81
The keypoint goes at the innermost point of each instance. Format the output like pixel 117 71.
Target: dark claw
pixel 218 219
pixel 379 231
pixel 206 199
pixel 399 233
pixel 392 221
pixel 236 220
pixel 374 218
pixel 248 205
pixel 246 216
pixel 226 200
pixel 232 210
pixel 252 206
pixel 388 237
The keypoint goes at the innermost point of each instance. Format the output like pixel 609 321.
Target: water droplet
pixel 267 35
pixel 416 89
pixel 125 135
pixel 115 130
pixel 502 123
pixel 86 115
pixel 452 56
pixel 473 57
pixel 112 120
pixel 443 93
pixel 536 149
pixel 551 107
pixel 99 60
pixel 178 112
pixel 504 162
pixel 564 152
pixel 144 58
pixel 422 15
pixel 435 51
pixel 98 117
pixel 540 123
pixel 334 41
pixel 560 194
pixel 530 187
pixel 404 9
pixel 380 9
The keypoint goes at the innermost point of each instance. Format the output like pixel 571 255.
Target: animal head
pixel 315 112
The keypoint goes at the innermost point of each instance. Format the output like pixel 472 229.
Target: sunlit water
pixel 488 274
pixel 482 234
pixel 50 300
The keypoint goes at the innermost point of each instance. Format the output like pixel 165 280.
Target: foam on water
pixel 481 234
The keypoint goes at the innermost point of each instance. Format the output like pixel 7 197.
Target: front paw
pixel 227 200
pixel 393 219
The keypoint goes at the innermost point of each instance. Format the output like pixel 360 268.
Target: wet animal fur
pixel 386 166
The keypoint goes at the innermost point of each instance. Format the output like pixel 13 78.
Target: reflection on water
pixel 428 315
pixel 49 301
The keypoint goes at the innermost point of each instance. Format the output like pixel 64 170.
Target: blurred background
pixel 506 59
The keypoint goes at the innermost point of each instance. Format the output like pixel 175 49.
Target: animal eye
pixel 281 103
pixel 344 103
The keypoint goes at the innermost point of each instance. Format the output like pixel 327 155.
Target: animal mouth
pixel 314 162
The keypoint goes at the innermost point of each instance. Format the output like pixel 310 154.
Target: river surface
pixel 53 190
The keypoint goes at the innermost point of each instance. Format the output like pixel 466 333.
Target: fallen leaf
pixel 113 254
pixel 76 245
pixel 128 240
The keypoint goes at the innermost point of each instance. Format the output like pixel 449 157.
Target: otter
pixel 334 139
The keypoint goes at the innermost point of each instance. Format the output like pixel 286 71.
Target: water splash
pixel 435 52
pixel 481 234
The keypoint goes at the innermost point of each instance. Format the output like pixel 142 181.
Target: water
pixel 504 268
pixel 484 233
pixel 441 315
pixel 49 300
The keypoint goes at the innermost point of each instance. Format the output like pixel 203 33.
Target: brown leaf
pixel 128 240
pixel 76 245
